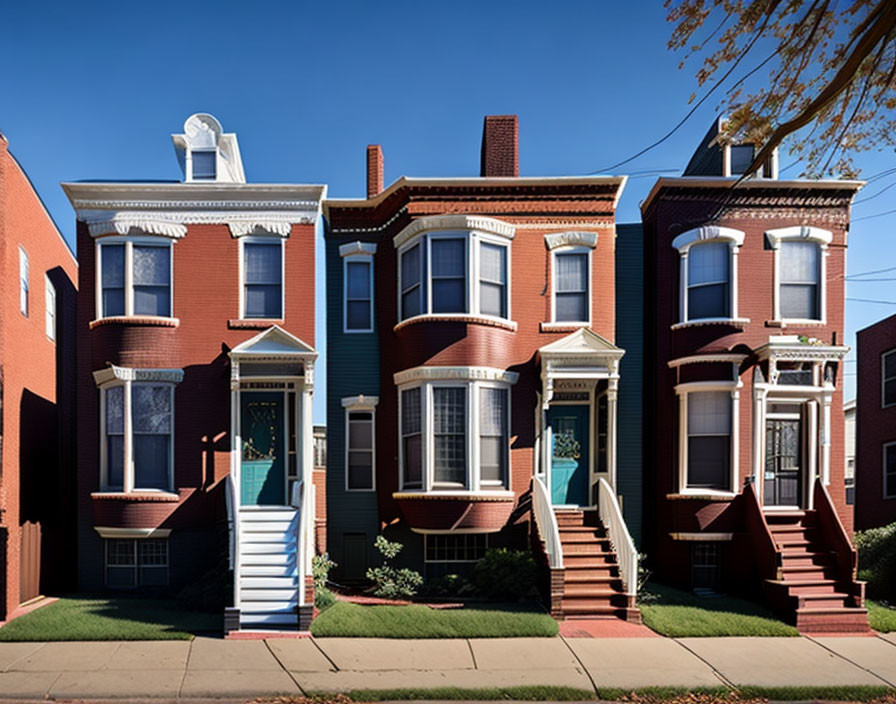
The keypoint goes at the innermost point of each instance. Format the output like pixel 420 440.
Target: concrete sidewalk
pixel 212 668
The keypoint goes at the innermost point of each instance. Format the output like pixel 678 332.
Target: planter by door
pixel 262 430
pixel 569 454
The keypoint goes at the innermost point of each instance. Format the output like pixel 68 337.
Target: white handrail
pixel 546 522
pixel 233 521
pixel 611 517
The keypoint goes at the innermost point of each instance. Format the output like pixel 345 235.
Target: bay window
pixel 449 420
pixel 707 437
pixel 134 277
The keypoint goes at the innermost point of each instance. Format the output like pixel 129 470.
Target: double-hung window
pixel 357 274
pixel 889 459
pixel 134 278
pixel 888 378
pixel 799 284
pixel 707 440
pixel 708 281
pixel 493 440
pixel 449 419
pixel 360 459
pixel 448 285
pixel 24 282
pixel 493 279
pixel 412 436
pixel 262 278
pixel 571 287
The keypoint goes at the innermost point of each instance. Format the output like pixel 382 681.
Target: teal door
pixel 263 469
pixel 569 454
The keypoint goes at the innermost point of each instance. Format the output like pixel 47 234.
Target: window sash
pixel 263 279
pixel 889 461
pixel 413 272
pixel 135 279
pixel 799 286
pixel 493 440
pixel 448 277
pixel 358 295
pixel 412 436
pixel 572 286
pixel 205 164
pixel 492 279
pixel 709 435
pixel 449 421
pixel 360 451
pixel 888 372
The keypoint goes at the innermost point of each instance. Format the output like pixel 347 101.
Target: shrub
pixel 320 570
pixel 451 585
pixel 391 582
pixel 504 574
pixel 877 561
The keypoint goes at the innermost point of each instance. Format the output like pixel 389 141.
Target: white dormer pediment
pixel 273 342
pixel 206 153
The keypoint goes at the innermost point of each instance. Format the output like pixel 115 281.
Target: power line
pixel 868 273
pixel 871 300
pixel 876 215
pixel 882 190
pixel 863 281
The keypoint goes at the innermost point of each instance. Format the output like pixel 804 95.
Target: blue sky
pixel 94 89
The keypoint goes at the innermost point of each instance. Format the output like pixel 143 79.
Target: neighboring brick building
pixel 195 373
pixel 744 407
pixel 37 302
pixel 875 471
pixel 473 377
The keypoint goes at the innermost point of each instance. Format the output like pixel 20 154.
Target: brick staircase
pixel 592 587
pixel 812 589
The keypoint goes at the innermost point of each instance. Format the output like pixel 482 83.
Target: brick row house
pixel 195 379
pixel 38 273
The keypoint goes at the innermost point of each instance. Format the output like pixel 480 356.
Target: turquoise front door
pixel 263 468
pixel 569 454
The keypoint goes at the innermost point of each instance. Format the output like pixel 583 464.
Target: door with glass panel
pixel 263 461
pixel 783 456
pixel 570 453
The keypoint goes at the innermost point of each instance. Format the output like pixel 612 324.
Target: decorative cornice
pixel 733 358
pixel 731 322
pixel 798 232
pixel 370 230
pixel 454 222
pixel 260 227
pixel 122 223
pixel 112 373
pixel 570 239
pixel 454 374
pixel 707 234
pixel 354 248
pixel 500 496
pixel 362 402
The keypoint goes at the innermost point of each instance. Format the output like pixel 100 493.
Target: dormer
pixel 716 156
pixel 206 153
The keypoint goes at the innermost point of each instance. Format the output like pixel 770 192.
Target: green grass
pixel 418 621
pixel 517 693
pixel 881 617
pixel 679 614
pixel 110 619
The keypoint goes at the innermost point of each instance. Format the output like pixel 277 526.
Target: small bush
pixel 391 582
pixel 320 570
pixel 877 561
pixel 451 585
pixel 504 574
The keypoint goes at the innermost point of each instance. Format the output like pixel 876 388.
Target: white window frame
pixel 351 253
pixel 24 281
pixel 683 391
pixel 189 164
pixel 884 448
pixel 129 243
pixel 262 239
pixel 137 566
pixel 761 173
pixel 709 235
pixel 473 238
pixel 473 481
pixel 884 378
pixel 361 404
pixel 589 294
pixel 128 473
pixel 801 233
pixel 49 308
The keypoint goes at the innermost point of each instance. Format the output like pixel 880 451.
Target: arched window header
pixel 570 239
pixel 350 249
pixel 707 234
pixel 454 222
pixel 798 233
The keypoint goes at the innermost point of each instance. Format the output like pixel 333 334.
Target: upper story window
pixel 262 272
pixel 135 277
pixel 707 436
pixel 889 458
pixel 888 378
pixel 204 162
pixel 454 434
pixel 448 271
pixel 24 284
pixel 207 153
pixel 50 308
pixel 800 293
pixel 357 276
pixel 571 275
pixel 708 274
pixel 360 443
pixel 737 158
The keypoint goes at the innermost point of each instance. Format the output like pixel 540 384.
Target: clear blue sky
pixel 94 89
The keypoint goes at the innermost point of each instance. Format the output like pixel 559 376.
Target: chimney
pixel 374 170
pixel 500 146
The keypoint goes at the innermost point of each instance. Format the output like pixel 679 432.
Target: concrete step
pixel 582 537
pixel 596 560
pixel 793 559
pixel 832 600
pixel 270 619
pixel 588 590
pixel 838 620
pixel 574 577
pixel 593 547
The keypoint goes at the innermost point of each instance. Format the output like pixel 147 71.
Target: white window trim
pixel 884 378
pixel 129 243
pixel 883 457
pixel 726 163
pixel 473 483
pixel 473 238
pixel 262 239
pixel 189 164
pixel 800 233
pixel 364 404
pixel 706 235
pixel 682 391
pixel 24 282
pixel 572 249
pixel 128 464
pixel 49 308
pixel 350 253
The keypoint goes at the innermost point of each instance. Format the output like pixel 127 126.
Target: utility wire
pixel 876 215
pixel 871 300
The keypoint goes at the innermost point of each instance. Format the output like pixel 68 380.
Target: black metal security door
pixel 783 463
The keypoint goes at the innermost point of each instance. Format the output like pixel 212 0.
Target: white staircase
pixel 268 570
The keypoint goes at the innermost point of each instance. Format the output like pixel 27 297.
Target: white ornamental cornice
pixel 454 222
pixel 115 373
pixel 350 249
pixel 454 374
pixel 571 239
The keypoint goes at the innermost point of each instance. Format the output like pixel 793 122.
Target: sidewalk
pixel 213 668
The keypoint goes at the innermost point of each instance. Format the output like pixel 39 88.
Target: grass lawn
pixel 111 619
pixel 681 614
pixel 418 621
pixel 881 617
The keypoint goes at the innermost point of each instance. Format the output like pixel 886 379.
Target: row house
pixel 875 455
pixel 195 378
pixel 473 376
pixel 38 273
pixel 744 329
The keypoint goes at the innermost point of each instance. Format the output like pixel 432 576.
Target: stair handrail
pixel 832 528
pixel 765 549
pixel 626 553
pixel 233 525
pixel 546 523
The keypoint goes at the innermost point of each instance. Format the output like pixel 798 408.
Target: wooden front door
pixel 570 454
pixel 262 430
pixel 783 463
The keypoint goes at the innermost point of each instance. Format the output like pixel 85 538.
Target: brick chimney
pixel 500 146
pixel 374 170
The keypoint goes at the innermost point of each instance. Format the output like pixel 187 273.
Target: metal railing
pixel 546 522
pixel 233 524
pixel 611 517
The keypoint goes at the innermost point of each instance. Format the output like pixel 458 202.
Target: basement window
pixel 705 564
pixel 141 562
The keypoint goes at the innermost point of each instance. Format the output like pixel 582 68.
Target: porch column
pixel 308 424
pixel 826 438
pixel 759 396
pixel 813 434
pixel 612 393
